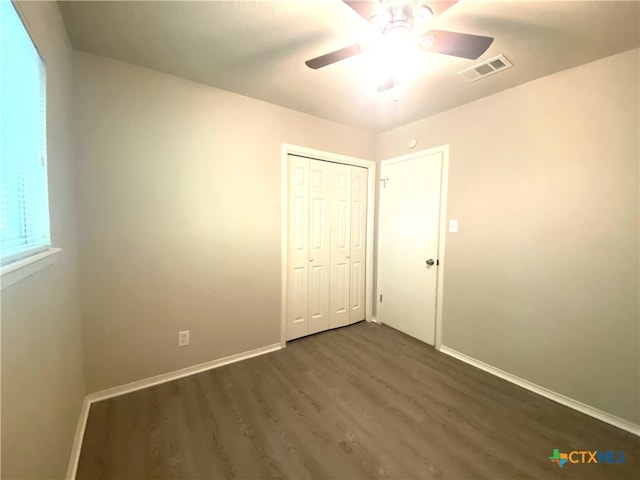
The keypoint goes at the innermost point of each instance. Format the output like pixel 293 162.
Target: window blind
pixel 24 203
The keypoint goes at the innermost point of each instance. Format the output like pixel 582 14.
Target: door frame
pixel 370 165
pixel 442 230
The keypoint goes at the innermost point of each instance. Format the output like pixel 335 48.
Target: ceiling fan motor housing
pixel 401 14
pixel 390 17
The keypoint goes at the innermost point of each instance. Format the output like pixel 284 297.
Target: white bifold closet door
pixel 326 245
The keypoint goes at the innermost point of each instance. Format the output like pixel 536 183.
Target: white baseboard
pixel 176 374
pixel 545 392
pixel 145 383
pixel 77 439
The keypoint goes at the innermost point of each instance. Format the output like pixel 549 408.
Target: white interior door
pixel 319 244
pixel 409 230
pixel 298 248
pixel 340 245
pixel 358 244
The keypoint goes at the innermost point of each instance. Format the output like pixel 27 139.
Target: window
pixel 24 203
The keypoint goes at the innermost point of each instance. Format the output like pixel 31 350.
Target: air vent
pixel 486 68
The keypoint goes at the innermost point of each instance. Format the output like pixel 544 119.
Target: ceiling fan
pixel 400 23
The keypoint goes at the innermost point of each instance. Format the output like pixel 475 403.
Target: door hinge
pixel 380 298
pixel 437 262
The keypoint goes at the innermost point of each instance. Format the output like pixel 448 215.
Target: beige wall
pixel 180 216
pixel 42 380
pixel 542 279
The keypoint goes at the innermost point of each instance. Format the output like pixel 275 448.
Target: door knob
pixel 430 262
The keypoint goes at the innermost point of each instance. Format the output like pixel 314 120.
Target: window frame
pixel 31 260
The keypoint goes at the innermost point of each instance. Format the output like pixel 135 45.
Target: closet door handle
pixel 311 259
pixel 348 256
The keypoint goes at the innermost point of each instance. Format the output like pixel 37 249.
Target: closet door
pixel 340 245
pixel 298 248
pixel 358 244
pixel 319 244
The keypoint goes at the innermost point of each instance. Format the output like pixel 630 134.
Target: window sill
pixel 17 271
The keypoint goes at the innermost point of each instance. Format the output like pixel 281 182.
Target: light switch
pixel 453 226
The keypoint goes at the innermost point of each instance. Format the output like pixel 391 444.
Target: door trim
pixel 370 165
pixel 442 231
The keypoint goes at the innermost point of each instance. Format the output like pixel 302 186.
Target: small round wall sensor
pixel 412 143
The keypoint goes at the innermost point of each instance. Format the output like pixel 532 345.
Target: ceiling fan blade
pixel 363 8
pixel 336 56
pixel 456 44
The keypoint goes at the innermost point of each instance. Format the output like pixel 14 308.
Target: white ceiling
pixel 258 49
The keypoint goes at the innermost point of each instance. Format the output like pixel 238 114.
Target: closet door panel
pixel 340 245
pixel 319 245
pixel 298 248
pixel 358 253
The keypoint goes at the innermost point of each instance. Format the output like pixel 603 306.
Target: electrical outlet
pixel 183 338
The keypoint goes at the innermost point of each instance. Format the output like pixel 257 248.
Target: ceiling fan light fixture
pixel 422 13
pixel 381 16
pixel 396 46
pixel 427 40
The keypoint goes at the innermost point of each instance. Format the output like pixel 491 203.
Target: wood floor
pixel 361 402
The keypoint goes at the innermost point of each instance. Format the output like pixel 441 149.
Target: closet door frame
pixel 288 149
